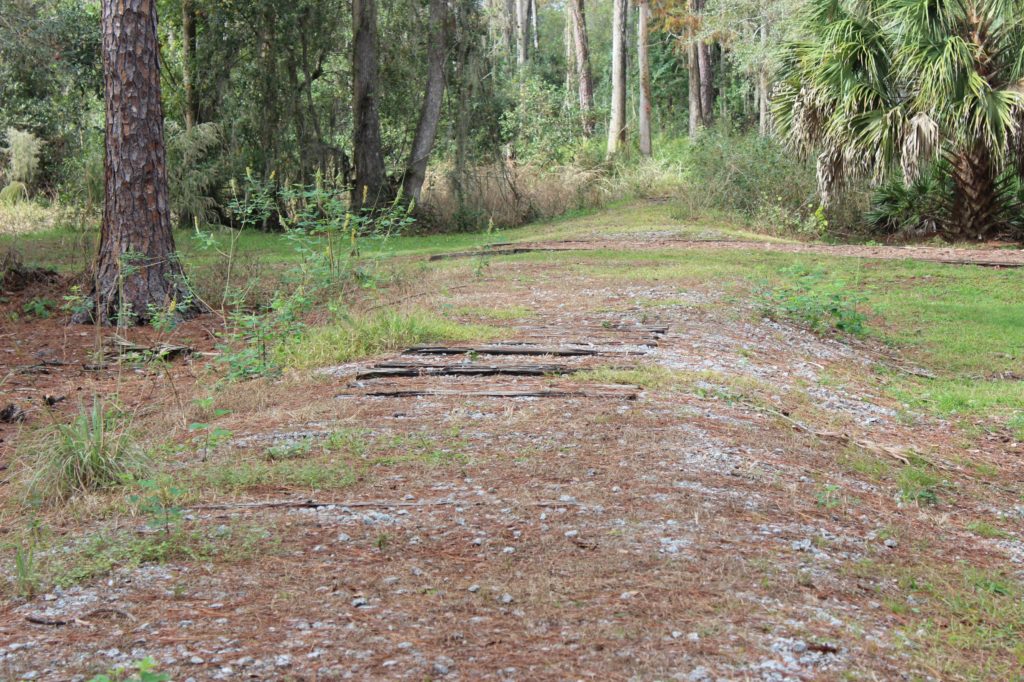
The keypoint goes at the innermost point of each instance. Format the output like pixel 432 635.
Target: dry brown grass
pixel 511 194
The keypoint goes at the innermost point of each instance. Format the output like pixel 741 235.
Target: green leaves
pixel 875 70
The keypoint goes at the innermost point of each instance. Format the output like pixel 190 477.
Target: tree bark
pixel 510 27
pixel 533 24
pixel 644 62
pixel 370 188
pixel 693 69
pixel 137 273
pixel 570 59
pixel 433 97
pixel 696 115
pixel 522 31
pixel 976 209
pixel 188 57
pixel 763 114
pixel 617 121
pixel 585 76
pixel 707 76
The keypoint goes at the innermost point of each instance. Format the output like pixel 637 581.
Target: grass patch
pixel 918 484
pixel 496 314
pixel 43 562
pixel 858 461
pixel 351 337
pixel 645 376
pixel 341 460
pixel 96 450
pixel 960 622
pixel 986 530
pixel 244 475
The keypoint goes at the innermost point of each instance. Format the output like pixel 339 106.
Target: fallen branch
pixel 897 453
pixel 78 620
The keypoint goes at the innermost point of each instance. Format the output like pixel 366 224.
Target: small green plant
pixel 95 450
pixel 39 307
pixel 813 301
pixel 829 497
pixel 26 579
pixel 159 500
pixel 145 671
pixel 918 485
pixel 208 437
pixel 286 451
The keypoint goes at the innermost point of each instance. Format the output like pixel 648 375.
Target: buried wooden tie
pixel 622 392
pixel 405 369
pixel 502 349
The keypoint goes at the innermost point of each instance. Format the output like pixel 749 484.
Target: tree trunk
pixel 188 57
pixel 696 115
pixel 570 59
pixel 522 31
pixel 137 274
pixel 701 56
pixel 617 121
pixel 764 115
pixel 585 75
pixel 975 212
pixel 707 85
pixel 533 25
pixel 433 97
pixel 510 27
pixel 643 59
pixel 370 187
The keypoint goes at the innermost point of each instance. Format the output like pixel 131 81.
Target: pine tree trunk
pixel 643 59
pixel 510 26
pixel 570 59
pixel 370 188
pixel 617 121
pixel 707 85
pixel 693 67
pixel 137 273
pixel 533 24
pixel 430 113
pixel 585 76
pixel 188 56
pixel 522 31
pixel 763 115
pixel 706 79
pixel 975 211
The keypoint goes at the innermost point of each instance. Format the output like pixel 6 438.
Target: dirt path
pixel 689 494
pixel 986 257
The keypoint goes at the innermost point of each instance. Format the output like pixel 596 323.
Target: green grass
pixel 96 450
pixel 965 323
pixel 962 623
pixel 986 530
pixel 349 338
pixel 645 376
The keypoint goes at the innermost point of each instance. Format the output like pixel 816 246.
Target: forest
pixel 511 340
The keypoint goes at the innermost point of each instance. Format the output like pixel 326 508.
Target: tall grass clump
pixel 351 337
pixel 23 150
pixel 94 451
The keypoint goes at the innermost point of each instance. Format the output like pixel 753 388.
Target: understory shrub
pixel 748 174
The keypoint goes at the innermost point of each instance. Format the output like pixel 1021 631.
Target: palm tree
pixel 880 86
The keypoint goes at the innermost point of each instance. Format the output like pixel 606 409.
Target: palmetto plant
pixel 883 86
